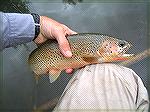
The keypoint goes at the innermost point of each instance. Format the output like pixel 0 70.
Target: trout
pixel 87 48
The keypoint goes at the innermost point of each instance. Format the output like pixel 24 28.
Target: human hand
pixel 51 29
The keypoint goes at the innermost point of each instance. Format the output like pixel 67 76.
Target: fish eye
pixel 122 43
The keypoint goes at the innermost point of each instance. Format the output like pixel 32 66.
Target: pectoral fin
pixel 54 74
pixel 92 59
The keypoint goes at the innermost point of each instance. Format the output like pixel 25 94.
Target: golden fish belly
pixel 61 64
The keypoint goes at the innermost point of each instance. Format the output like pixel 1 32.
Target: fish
pixel 87 48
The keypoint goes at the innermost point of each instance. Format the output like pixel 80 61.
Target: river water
pixel 125 20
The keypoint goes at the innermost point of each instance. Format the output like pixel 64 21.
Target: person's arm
pixel 20 28
pixel 16 29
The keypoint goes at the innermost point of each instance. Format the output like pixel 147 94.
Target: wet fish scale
pixel 86 49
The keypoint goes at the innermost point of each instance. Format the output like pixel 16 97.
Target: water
pixel 127 21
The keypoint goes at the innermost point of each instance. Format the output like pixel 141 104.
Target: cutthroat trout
pixel 86 49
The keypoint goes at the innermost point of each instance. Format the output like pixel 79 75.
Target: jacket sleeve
pixel 15 29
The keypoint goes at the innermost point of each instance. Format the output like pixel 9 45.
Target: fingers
pixel 64 45
pixel 51 29
pixel 63 42
pixel 54 30
pixel 40 39
pixel 69 31
pixel 69 71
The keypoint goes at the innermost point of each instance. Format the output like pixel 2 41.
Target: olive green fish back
pixel 87 43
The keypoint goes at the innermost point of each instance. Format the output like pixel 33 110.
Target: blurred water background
pixel 123 19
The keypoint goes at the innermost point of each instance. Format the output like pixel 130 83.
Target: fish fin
pixel 36 76
pixel 90 59
pixel 120 58
pixel 124 57
pixel 54 74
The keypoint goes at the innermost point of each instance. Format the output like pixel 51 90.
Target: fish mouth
pixel 128 55
pixel 125 55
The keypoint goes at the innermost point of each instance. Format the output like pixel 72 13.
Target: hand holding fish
pixel 51 29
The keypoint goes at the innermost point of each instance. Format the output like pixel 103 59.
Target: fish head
pixel 113 49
